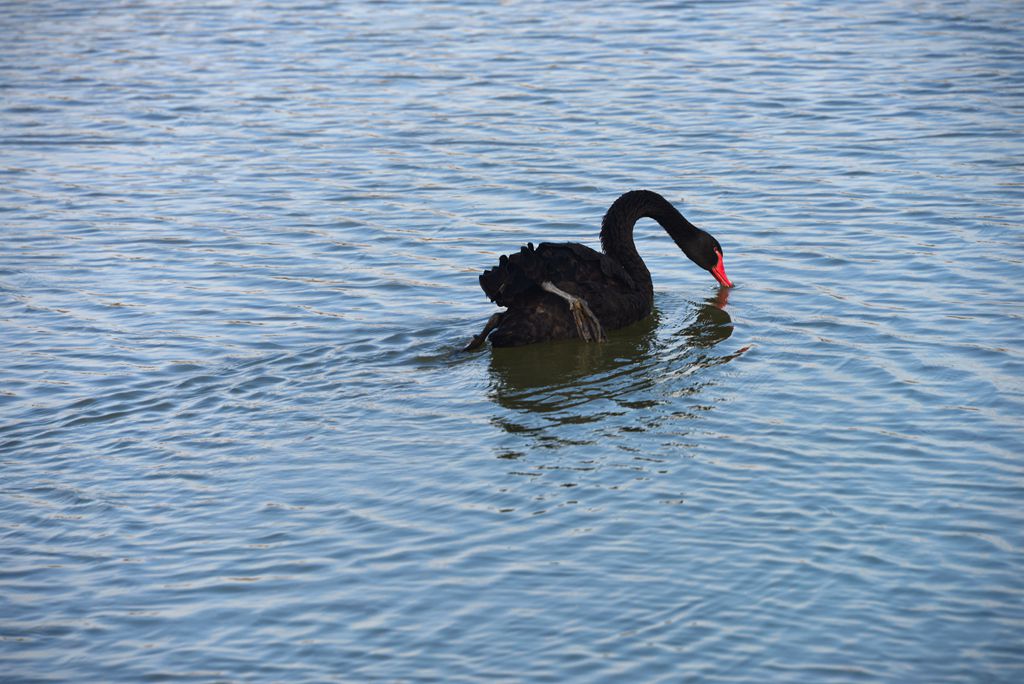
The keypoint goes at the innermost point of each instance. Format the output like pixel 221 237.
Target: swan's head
pixel 705 251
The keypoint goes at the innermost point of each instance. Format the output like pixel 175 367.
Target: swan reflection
pixel 640 366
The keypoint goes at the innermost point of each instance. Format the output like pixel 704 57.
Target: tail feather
pixel 513 276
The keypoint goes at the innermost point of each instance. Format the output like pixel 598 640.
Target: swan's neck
pixel 617 230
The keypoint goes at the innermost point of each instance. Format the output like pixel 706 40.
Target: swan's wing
pixel 571 266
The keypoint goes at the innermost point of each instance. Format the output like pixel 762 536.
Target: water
pixel 239 253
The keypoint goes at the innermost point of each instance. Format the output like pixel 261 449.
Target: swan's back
pixel 535 314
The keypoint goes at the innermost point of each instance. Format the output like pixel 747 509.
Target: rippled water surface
pixel 240 247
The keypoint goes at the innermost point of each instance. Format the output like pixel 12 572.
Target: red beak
pixel 719 271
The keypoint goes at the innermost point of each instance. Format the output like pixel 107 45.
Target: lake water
pixel 240 247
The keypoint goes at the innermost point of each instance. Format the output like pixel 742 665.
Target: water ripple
pixel 240 248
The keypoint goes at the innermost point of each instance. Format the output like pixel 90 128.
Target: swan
pixel 567 290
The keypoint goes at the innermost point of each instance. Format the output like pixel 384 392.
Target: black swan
pixel 561 291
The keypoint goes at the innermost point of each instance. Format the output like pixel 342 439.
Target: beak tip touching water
pixel 719 271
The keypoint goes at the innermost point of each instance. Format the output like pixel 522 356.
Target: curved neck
pixel 617 230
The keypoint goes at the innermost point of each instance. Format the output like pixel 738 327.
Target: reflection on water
pixel 628 369
pixel 712 324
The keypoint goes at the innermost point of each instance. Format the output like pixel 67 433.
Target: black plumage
pixel 538 285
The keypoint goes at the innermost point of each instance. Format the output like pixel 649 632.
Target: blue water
pixel 239 247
